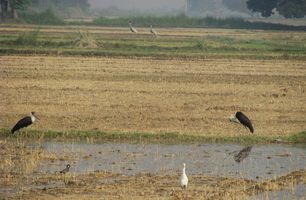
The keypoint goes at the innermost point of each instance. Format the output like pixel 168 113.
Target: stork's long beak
pixel 36 117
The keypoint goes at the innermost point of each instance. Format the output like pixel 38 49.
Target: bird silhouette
pixel 132 29
pixel 243 119
pixel 64 171
pixel 153 31
pixel 24 122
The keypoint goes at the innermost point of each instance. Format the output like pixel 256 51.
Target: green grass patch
pixel 149 137
pixel 298 138
pixel 27 38
pixel 40 41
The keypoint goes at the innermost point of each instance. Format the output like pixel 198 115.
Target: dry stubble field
pixel 191 96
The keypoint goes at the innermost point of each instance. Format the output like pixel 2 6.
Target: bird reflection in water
pixel 242 154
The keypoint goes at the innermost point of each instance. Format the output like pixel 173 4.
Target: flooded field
pixel 138 171
pixel 263 162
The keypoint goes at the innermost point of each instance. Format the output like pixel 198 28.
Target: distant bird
pixel 243 119
pixel 242 154
pixel 24 122
pixel 132 28
pixel 184 178
pixel 153 31
pixel 64 171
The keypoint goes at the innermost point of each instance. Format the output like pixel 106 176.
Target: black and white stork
pixel 24 122
pixel 153 31
pixel 132 28
pixel 64 171
pixel 243 119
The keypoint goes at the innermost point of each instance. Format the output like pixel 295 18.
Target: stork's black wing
pixel 24 122
pixel 242 154
pixel 244 120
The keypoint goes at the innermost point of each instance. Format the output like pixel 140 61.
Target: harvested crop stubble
pixel 149 95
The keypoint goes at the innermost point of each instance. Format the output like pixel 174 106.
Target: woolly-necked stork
pixel 243 119
pixel 64 171
pixel 132 28
pixel 24 122
pixel 153 31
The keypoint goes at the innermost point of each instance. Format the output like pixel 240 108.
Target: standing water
pixel 262 162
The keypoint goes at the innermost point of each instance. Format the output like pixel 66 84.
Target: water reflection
pixel 243 153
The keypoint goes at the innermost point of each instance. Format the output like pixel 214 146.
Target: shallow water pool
pixel 263 162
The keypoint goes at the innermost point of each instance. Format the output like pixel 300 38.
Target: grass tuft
pixel 84 40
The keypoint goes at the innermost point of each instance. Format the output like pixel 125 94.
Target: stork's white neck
pixel 183 171
pixel 233 118
pixel 33 118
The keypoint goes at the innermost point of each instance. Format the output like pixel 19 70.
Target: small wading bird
pixel 24 122
pixel 153 31
pixel 242 154
pixel 132 28
pixel 243 119
pixel 64 171
pixel 184 178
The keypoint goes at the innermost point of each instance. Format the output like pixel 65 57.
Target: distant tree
pixel 4 8
pixel 41 4
pixel 292 8
pixel 19 4
pixel 60 4
pixel 265 7
pixel 63 8
pixel 236 5
pixel 286 8
pixel 14 5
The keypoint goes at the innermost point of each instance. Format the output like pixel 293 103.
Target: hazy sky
pixel 138 4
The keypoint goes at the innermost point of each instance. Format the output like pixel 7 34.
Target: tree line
pixel 286 8
pixel 9 8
